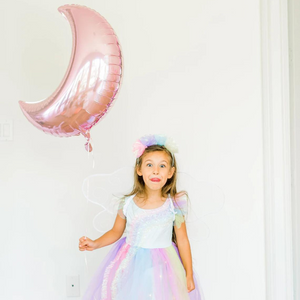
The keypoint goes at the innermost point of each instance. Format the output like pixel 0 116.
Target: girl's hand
pixel 86 244
pixel 190 283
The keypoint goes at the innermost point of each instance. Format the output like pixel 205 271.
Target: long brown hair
pixel 168 188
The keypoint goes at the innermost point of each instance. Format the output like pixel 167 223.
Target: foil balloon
pixel 91 83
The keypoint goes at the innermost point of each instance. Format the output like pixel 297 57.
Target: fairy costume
pixel 145 264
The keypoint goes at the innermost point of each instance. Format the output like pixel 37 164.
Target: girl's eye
pixel 151 165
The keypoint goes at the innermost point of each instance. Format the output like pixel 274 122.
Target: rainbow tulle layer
pixel 135 273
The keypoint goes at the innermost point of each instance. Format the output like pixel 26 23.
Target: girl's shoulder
pixel 124 200
pixel 180 198
pixel 122 206
pixel 180 202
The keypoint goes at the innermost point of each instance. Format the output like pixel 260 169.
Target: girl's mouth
pixel 155 179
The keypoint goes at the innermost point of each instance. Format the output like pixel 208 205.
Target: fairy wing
pixel 204 198
pixel 107 192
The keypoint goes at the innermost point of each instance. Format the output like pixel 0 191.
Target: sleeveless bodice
pixel 149 228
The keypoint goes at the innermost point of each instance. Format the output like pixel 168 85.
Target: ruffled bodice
pixel 152 228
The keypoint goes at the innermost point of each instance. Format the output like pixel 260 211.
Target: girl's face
pixel 156 169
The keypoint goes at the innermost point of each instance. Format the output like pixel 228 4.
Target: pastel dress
pixel 145 264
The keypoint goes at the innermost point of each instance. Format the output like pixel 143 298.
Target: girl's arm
pixel 184 248
pixel 112 235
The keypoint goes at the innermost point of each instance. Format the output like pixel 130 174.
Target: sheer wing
pixel 204 199
pixel 107 191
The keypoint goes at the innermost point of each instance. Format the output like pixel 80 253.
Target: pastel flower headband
pixel 154 139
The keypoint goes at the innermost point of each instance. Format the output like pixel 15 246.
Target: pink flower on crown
pixel 138 148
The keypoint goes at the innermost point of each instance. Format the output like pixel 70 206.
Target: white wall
pixel 294 45
pixel 192 71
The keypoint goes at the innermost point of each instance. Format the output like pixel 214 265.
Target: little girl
pixel 154 260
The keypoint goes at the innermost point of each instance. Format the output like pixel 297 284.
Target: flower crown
pixel 154 139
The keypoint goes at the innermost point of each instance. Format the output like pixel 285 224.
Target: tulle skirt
pixel 135 273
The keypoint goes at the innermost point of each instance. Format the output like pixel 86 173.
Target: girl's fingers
pixel 83 246
pixel 84 243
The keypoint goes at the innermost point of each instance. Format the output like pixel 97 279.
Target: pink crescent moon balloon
pixel 91 83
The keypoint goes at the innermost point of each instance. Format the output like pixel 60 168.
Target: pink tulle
pixel 135 273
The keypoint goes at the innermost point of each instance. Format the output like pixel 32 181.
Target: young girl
pixel 154 260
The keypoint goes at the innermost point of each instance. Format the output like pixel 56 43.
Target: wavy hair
pixel 168 188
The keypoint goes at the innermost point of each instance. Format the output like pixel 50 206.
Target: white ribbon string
pixel 87 198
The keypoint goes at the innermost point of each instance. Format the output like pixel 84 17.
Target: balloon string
pixel 91 143
pixel 87 198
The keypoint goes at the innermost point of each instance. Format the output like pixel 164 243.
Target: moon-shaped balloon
pixel 91 83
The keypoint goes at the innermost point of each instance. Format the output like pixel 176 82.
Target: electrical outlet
pixel 73 286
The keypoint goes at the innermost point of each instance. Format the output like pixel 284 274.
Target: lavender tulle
pixel 135 273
